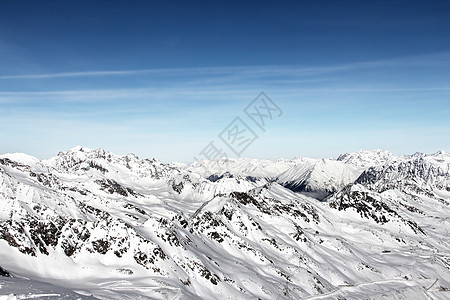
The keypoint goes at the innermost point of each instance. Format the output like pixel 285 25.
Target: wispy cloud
pixel 99 95
pixel 185 95
pixel 74 74
pixel 431 60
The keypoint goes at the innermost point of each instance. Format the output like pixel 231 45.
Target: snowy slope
pixel 121 227
pixel 318 177
pixel 20 288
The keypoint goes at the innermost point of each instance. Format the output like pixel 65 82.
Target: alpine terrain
pixel 89 224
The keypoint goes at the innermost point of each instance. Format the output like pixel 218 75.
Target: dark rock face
pixel 4 273
pixel 101 246
pixel 111 186
pixel 369 207
pixel 14 233
pixel 217 177
pixel 13 164
pixel 98 167
pixel 178 187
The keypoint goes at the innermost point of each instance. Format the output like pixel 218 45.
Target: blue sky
pixel 163 79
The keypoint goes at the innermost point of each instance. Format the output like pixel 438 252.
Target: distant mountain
pixel 366 159
pixel 244 167
pixel 318 178
pixel 121 227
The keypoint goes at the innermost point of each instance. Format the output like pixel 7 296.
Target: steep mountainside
pixel 318 178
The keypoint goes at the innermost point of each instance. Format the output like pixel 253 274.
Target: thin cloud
pixel 235 92
pixel 73 74
pixel 439 59
pixel 143 94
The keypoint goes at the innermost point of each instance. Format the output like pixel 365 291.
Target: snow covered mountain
pixel 243 167
pixel 94 224
pixel 318 178
pixel 366 159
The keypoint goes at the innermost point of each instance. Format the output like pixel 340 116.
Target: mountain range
pixel 91 224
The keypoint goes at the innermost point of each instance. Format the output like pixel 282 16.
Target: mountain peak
pixel 21 157
pixel 367 158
